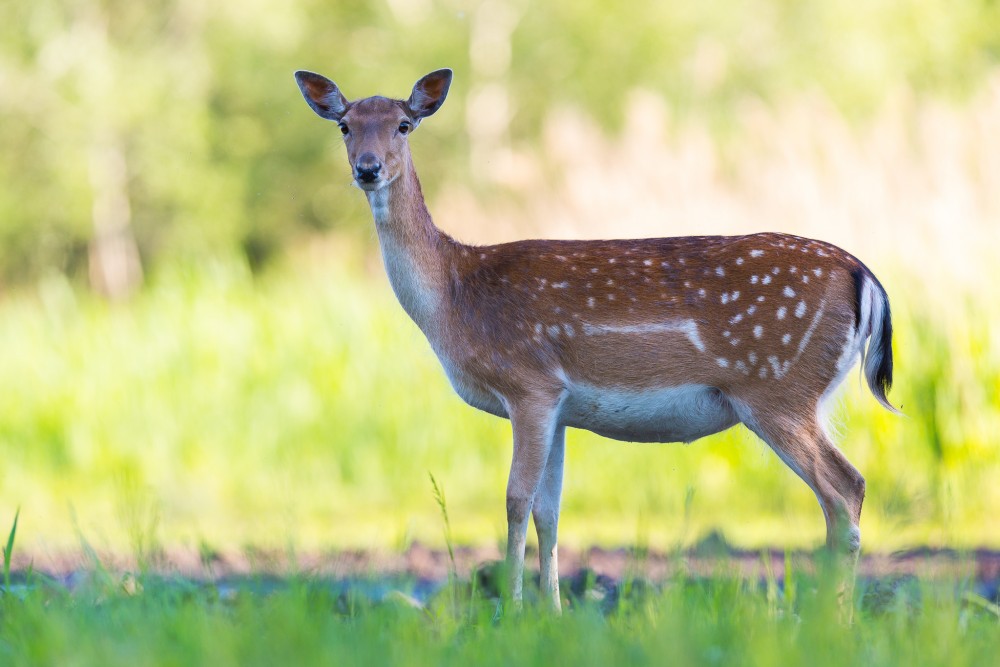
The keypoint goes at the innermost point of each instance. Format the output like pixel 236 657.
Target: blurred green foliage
pixel 306 409
pixel 220 154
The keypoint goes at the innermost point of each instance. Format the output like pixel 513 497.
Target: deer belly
pixel 670 414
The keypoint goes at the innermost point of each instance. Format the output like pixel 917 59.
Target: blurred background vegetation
pixel 197 341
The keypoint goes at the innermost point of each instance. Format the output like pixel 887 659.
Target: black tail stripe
pixel 858 274
pixel 883 375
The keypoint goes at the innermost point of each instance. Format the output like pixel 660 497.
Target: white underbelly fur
pixel 670 414
pixel 674 414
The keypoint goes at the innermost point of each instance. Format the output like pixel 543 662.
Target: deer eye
pixel 343 128
pixel 404 127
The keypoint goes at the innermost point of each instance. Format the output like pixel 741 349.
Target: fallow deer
pixel 648 340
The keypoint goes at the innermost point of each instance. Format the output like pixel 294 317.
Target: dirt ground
pixel 422 562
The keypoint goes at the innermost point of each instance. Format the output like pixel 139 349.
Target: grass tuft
pixel 453 568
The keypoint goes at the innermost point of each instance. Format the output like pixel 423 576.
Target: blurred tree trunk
pixel 115 268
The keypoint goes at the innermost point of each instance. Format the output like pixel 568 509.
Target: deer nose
pixel 368 168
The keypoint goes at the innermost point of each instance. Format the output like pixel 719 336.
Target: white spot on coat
pixel 758 331
pixel 800 309
pixel 766 280
pixel 781 313
pixel 812 327
pixel 590 302
pixel 687 327
pixel 722 361
pixel 756 253
pixel 789 292
pixel 719 271
pixel 786 339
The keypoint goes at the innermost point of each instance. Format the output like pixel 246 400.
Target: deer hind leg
pixel 534 422
pixel 804 445
pixel 545 512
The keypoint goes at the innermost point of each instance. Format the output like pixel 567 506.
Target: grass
pixel 8 551
pixel 105 617
pixel 720 620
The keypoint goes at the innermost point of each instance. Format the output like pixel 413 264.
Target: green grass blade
pixel 8 551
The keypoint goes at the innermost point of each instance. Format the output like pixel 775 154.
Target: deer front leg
pixel 534 425
pixel 546 515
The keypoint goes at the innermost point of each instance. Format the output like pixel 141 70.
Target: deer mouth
pixel 370 185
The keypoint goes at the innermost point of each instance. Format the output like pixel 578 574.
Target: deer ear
pixel 429 93
pixel 322 95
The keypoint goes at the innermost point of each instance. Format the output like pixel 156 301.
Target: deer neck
pixel 415 252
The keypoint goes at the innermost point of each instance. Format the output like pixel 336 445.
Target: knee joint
pixel 518 509
pixel 852 540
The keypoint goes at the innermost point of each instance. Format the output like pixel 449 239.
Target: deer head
pixel 375 129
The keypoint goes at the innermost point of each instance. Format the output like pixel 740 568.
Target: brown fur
pixel 755 329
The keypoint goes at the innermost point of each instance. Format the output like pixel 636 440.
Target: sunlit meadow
pixel 201 354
